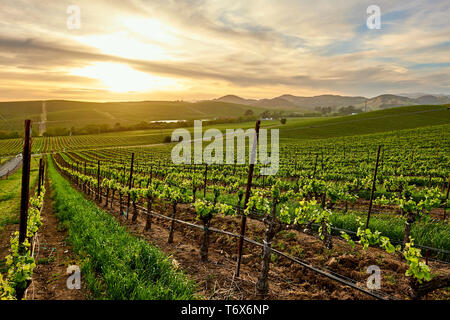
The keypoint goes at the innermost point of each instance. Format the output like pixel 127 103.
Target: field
pixel 296 128
pixel 312 229
pixel 373 122
pixel 78 114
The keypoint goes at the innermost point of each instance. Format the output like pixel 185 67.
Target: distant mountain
pixel 416 95
pixel 386 101
pixel 275 103
pixel 235 99
pixel 431 99
pixel 333 101
pixel 307 104
pixel 290 102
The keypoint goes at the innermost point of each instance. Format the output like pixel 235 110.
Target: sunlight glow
pixel 122 45
pixel 122 78
pixel 153 29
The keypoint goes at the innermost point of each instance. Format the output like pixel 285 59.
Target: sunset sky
pixel 201 49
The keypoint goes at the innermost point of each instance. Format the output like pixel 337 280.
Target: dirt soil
pixel 287 280
pixel 53 256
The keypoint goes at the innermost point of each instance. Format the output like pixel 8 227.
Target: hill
pixel 333 101
pixel 62 113
pixel 366 123
pixel 235 99
pixel 386 101
pixel 308 104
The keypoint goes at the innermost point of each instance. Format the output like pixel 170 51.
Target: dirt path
pixel 106 114
pixel 43 123
pixel 10 166
pixel 54 255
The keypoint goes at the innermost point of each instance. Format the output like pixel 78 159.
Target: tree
pixel 349 110
pixel 283 120
pixel 248 113
pixel 323 110
pixel 265 114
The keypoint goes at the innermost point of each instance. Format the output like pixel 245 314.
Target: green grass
pixel 366 123
pixel 10 190
pixel 117 265
pixel 426 233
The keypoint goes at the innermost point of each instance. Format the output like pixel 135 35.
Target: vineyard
pixel 337 207
pixel 203 159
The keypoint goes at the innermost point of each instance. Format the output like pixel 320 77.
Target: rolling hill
pixel 408 117
pixel 308 104
pixel 64 113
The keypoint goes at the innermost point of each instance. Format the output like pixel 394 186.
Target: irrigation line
pixel 442 251
pixel 326 273
pixel 255 214
pixel 331 275
pixel 437 250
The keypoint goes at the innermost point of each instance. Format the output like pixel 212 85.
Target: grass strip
pixel 426 233
pixel 117 265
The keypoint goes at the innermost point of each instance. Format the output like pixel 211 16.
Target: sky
pixel 117 50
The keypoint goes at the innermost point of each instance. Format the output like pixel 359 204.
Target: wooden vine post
pixel 247 197
pixel 98 181
pixel 130 183
pixel 40 177
pixel 25 192
pixel 373 187
pixel 446 198
pixel 315 166
pixel 43 173
pixel 206 178
pixel 322 161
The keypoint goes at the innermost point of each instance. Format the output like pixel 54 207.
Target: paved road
pixel 10 165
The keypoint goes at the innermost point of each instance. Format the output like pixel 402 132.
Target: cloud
pixel 254 48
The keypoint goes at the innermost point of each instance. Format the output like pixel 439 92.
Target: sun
pixel 121 78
